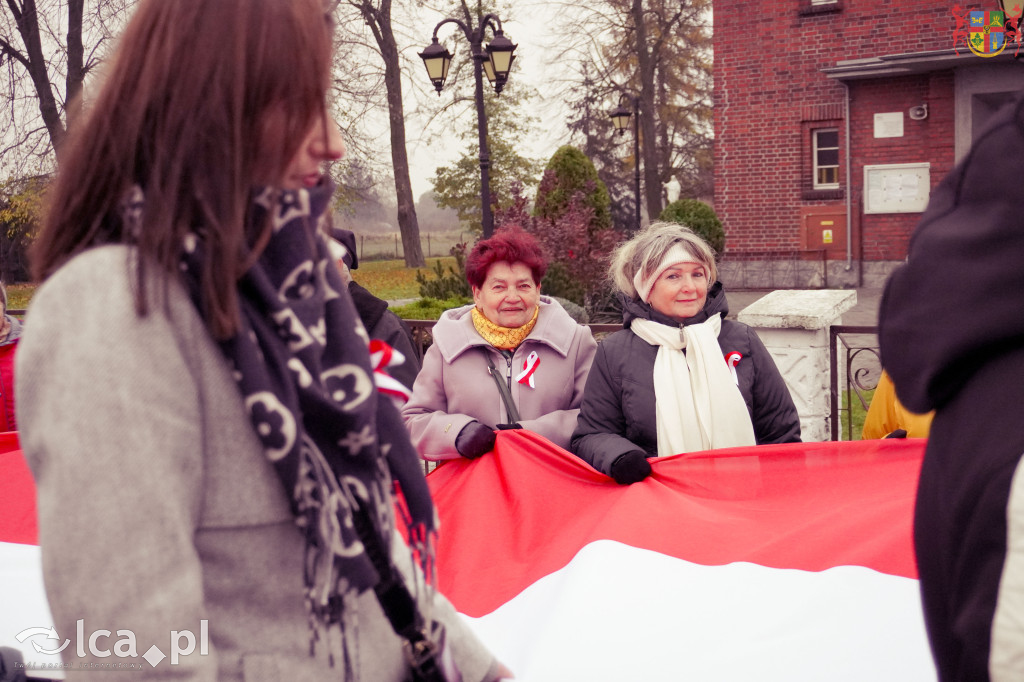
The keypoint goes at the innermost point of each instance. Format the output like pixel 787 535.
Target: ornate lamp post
pixel 620 120
pixel 494 60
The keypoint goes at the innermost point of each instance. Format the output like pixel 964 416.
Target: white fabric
pixel 1006 654
pixel 731 623
pixel 699 406
pixel 678 254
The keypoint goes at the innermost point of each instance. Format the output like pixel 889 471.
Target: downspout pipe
pixel 849 181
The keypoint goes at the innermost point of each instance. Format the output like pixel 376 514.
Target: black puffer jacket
pixel 618 414
pixel 951 329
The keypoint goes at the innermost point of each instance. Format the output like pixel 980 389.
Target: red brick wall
pixel 768 77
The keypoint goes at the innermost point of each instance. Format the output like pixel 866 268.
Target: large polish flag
pixel 786 562
pixel 772 563
pixel 23 602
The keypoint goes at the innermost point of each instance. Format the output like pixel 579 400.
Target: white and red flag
pixel 774 563
pixel 786 562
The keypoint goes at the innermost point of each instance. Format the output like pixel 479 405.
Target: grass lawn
pixel 859 413
pixel 391 280
pixel 18 295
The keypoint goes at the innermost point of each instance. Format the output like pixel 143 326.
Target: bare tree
pixel 377 17
pixel 46 55
pixel 657 51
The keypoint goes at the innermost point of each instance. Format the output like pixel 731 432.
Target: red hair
pixel 510 245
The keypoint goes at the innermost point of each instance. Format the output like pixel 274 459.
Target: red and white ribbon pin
pixel 732 359
pixel 529 368
pixel 382 356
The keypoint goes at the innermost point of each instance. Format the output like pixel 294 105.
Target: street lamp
pixel 620 120
pixel 494 60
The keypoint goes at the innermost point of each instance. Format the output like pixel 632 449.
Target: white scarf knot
pixel 698 404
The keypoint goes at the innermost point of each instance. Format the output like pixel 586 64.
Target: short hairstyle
pixel 645 251
pixel 511 245
pixel 202 100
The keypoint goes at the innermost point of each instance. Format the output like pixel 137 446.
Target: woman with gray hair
pixel 659 387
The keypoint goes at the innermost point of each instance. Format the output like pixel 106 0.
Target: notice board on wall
pixel 897 187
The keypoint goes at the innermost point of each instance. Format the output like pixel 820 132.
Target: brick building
pixel 834 119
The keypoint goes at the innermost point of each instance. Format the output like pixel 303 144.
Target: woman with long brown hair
pixel 214 465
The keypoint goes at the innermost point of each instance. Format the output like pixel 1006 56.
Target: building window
pixel 825 158
pixel 820 6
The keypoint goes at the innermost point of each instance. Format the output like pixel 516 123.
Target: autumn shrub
pixel 576 249
pixel 700 218
pixel 450 284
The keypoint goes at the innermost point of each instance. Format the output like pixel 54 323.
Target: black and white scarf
pixel 302 364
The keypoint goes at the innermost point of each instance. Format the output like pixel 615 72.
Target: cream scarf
pixel 698 404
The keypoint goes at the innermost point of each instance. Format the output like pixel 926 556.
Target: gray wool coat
pixel 157 508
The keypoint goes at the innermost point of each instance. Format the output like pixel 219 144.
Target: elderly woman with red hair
pixel 512 359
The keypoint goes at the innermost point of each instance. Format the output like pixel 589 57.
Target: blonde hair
pixel 648 247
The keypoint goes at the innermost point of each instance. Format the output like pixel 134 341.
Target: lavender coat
pixel 454 387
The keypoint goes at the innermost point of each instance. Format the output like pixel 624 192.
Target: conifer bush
pixel 700 218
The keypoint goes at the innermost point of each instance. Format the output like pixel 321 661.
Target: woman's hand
pixel 631 467
pixel 474 440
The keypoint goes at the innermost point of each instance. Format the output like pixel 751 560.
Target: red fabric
pixel 8 420
pixel 17 494
pixel 522 512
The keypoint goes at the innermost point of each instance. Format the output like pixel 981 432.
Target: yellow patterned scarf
pixel 505 338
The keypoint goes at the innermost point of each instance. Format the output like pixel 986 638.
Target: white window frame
pixel 814 158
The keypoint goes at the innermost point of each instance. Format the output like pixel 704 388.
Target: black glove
pixel 631 467
pixel 508 427
pixel 898 433
pixel 475 439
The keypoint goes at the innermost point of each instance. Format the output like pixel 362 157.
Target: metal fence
pixel 854 368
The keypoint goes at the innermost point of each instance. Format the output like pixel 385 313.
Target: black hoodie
pixel 951 329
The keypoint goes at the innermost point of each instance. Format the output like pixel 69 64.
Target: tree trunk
pixel 407 222
pixel 28 26
pixel 648 134
pixel 76 62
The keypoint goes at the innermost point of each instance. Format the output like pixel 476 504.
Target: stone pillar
pixel 794 326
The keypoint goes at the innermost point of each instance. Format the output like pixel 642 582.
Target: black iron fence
pixel 854 368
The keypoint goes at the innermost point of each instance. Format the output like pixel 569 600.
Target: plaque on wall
pixel 889 124
pixel 896 188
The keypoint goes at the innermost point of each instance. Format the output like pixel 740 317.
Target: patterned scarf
pixel 301 362
pixel 505 338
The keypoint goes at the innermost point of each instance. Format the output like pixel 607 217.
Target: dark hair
pixel 511 245
pixel 202 101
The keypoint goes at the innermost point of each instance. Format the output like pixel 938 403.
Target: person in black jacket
pixel 660 387
pixel 380 321
pixel 951 330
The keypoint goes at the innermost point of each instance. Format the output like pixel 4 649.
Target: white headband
pixel 679 253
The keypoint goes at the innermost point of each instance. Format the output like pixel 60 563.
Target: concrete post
pixel 794 324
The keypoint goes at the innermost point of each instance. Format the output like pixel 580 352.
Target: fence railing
pixel 853 351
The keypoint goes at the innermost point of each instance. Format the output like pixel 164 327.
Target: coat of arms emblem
pixel 986 32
